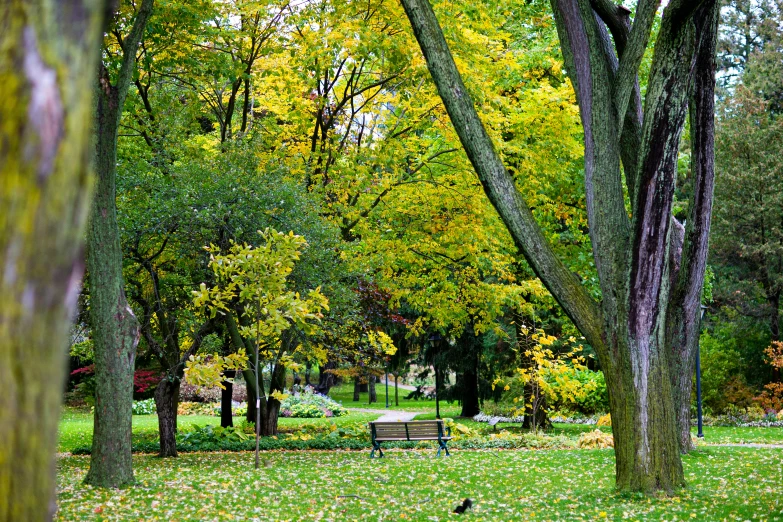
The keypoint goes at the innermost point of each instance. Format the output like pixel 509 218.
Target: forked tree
pixel 651 267
pixel 48 54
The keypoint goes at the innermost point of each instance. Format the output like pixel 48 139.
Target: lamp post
pixel 699 417
pixel 387 384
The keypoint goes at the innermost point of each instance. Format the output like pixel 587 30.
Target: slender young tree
pixel 48 52
pixel 114 326
pixel 650 267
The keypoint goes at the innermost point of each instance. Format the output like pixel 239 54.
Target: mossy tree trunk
pixel 115 329
pixel 643 278
pixel 48 55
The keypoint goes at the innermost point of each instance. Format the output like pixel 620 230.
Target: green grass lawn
pixel 76 426
pixel 712 434
pixel 723 484
pixel 344 395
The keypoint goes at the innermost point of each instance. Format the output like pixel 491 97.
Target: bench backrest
pixel 408 430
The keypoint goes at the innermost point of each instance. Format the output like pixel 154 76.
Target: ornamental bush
pixel 308 404
pixel 145 407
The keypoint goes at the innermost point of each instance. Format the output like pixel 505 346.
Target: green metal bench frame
pixel 442 436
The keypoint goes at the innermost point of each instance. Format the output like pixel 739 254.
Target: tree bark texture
pixel 629 328
pixel 166 402
pixel 115 329
pixel 48 53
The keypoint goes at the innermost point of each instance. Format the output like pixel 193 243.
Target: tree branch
pixel 496 181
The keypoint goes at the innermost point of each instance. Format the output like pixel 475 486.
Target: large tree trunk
pixel 226 400
pixel 647 451
pixel 46 67
pixel 356 388
pixel 690 245
pixel 114 327
pixel 326 379
pixel 250 382
pixel 372 392
pixel 166 402
pixel 270 408
pixel 396 389
pixel 470 397
pixel 628 327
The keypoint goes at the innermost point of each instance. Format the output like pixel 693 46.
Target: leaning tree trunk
pixel 114 327
pixel 46 65
pixel 166 401
pixel 628 327
pixel 690 244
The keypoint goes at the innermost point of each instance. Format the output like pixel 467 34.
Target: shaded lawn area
pixel 724 484
pixel 712 434
pixel 344 394
pixel 76 426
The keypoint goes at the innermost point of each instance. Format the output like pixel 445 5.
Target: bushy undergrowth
pixel 145 407
pixel 310 405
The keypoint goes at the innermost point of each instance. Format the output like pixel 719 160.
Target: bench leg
pixel 376 447
pixel 442 446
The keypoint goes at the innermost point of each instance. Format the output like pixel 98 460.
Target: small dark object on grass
pixel 466 504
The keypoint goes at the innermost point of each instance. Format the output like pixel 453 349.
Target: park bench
pixel 410 431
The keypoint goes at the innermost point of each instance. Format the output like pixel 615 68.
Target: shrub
pixel 207 435
pixel 606 420
pixel 145 407
pixel 195 408
pixel 192 393
pixel 308 404
pixel 595 440
pixel 145 380
pixel 239 392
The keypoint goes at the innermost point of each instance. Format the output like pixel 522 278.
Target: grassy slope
pixel 724 483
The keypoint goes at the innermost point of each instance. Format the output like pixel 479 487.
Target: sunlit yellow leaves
pixel 206 371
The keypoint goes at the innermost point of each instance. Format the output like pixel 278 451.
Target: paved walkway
pixel 391 415
pixel 382 382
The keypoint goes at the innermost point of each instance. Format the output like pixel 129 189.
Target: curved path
pixel 391 415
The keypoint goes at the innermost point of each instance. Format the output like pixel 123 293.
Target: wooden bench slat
pixel 409 431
